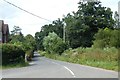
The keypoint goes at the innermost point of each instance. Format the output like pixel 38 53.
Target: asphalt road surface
pixel 42 67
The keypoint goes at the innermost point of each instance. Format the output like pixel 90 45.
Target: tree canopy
pixel 81 26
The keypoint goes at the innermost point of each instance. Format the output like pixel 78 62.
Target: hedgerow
pixel 11 53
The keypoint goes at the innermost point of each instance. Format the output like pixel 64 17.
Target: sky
pixel 48 9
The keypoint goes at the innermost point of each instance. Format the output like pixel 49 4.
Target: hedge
pixel 11 53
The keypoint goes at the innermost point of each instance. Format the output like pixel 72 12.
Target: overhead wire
pixel 26 11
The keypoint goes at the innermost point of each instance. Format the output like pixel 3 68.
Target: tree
pixel 16 35
pixel 83 24
pixel 16 30
pixel 53 43
pixel 56 26
pixel 95 16
pixel 29 42
pixel 107 38
pixel 29 46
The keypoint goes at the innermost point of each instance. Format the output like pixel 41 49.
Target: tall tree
pixel 53 43
pixel 83 24
pixel 56 26
pixel 16 30
pixel 16 35
pixel 30 42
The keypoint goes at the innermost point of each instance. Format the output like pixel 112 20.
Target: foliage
pixel 106 58
pixel 39 40
pixel 56 26
pixel 29 46
pixel 22 63
pixel 107 38
pixel 83 24
pixel 53 43
pixel 29 43
pixel 16 38
pixel 16 30
pixel 29 55
pixel 42 53
pixel 11 53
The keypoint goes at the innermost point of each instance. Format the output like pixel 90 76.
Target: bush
pixel 106 58
pixel 42 53
pixel 11 53
pixel 54 44
pixel 107 38
pixel 29 55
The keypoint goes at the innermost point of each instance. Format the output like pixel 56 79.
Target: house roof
pixel 1 24
pixel 4 27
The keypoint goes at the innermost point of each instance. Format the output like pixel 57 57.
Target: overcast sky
pixel 49 9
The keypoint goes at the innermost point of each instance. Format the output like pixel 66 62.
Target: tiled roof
pixel 1 24
pixel 5 29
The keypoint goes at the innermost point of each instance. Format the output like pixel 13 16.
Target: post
pixel 119 14
pixel 64 31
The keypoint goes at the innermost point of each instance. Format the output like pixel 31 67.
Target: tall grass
pixel 106 58
pixel 22 63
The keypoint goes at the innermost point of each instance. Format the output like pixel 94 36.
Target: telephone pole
pixel 119 14
pixel 64 31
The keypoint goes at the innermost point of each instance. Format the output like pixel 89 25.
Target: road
pixel 42 67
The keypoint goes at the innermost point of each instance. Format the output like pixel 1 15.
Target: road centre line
pixel 69 71
pixel 66 68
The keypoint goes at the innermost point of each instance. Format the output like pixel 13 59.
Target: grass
pixel 106 58
pixel 14 65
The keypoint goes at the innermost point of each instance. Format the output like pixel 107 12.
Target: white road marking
pixel 66 68
pixel 69 71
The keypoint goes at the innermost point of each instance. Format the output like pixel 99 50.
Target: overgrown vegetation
pixel 11 54
pixel 54 44
pixel 18 49
pixel 91 34
pixel 107 38
pixel 106 58
pixel 27 42
pixel 22 63
pixel 81 26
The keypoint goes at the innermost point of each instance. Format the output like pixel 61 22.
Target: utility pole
pixel 64 31
pixel 116 16
pixel 119 14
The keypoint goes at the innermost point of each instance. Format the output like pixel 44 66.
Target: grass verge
pixel 106 58
pixel 14 65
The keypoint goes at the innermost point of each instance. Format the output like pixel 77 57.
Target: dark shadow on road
pixel 37 56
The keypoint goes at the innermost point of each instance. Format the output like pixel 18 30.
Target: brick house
pixel 4 32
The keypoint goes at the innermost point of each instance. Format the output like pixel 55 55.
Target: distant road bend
pixel 42 67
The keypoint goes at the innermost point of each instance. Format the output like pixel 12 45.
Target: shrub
pixel 11 53
pixel 42 53
pixel 107 38
pixel 29 55
pixel 54 44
